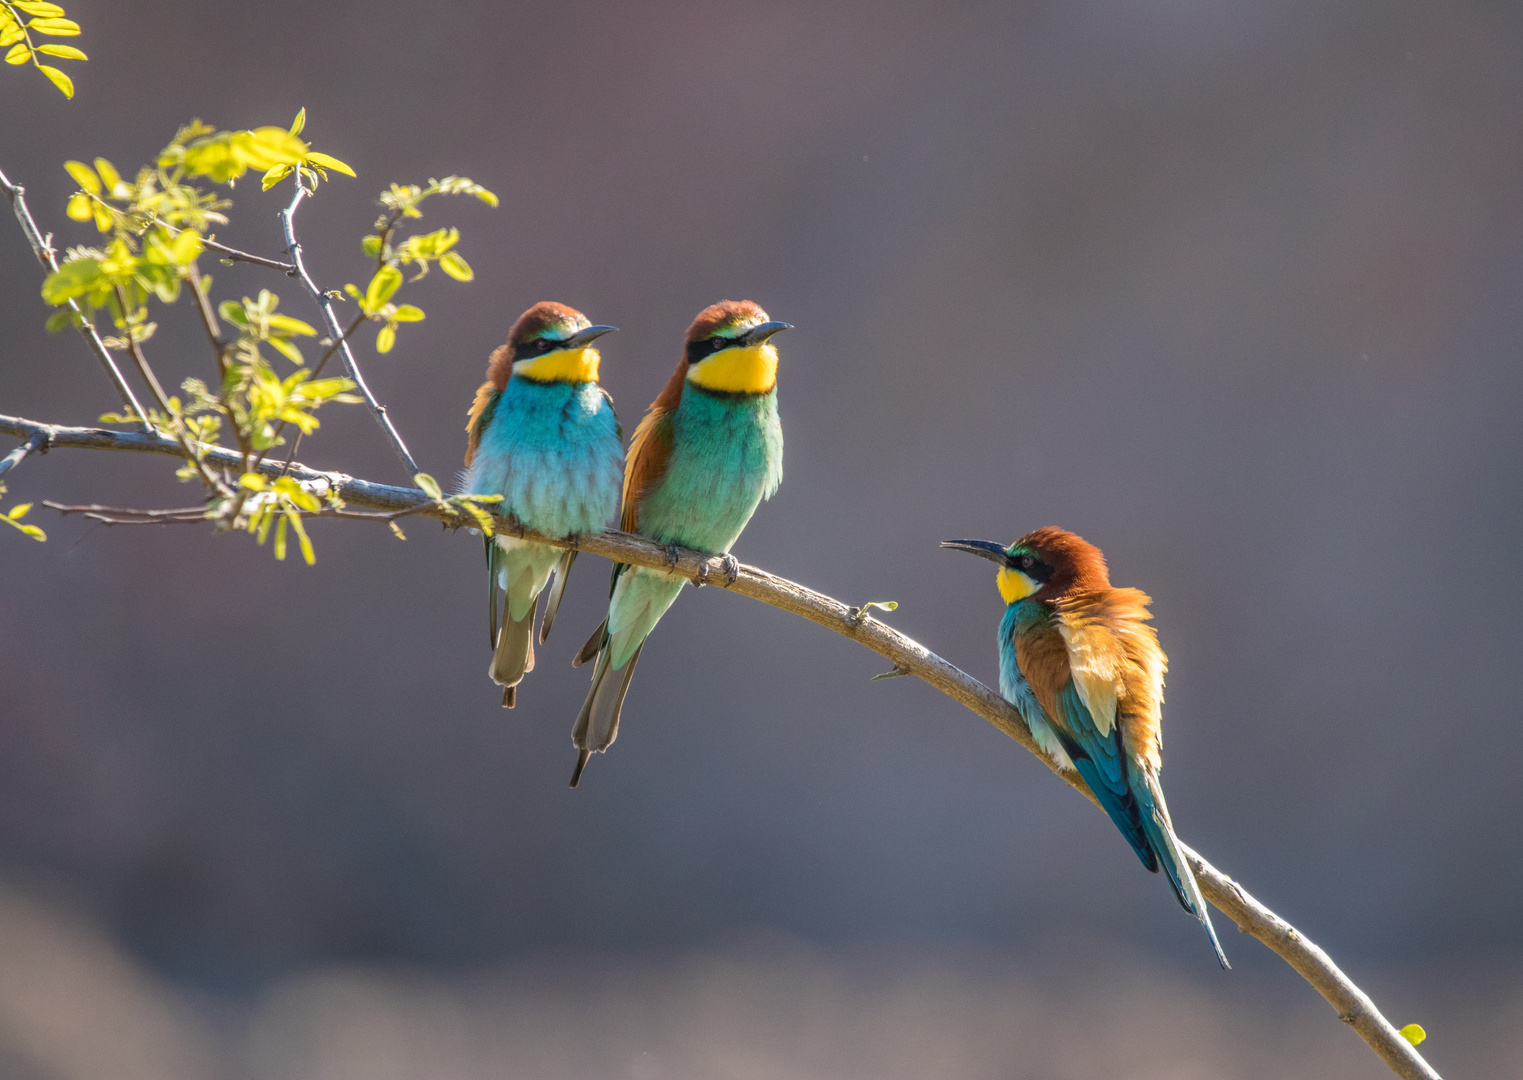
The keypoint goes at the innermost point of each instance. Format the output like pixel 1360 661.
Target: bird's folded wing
pixel 650 451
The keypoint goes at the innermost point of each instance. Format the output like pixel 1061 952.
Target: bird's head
pixel 553 343
pixel 1047 564
pixel 729 349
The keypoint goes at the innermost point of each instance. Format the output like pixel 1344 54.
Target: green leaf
pixel 66 52
pixel 408 313
pixel 286 349
pixel 371 245
pixel 70 280
pixel 398 530
pixel 487 197
pixel 284 324
pixel 301 537
pixel 58 79
pixel 19 511
pixel 251 481
pixel 327 161
pixel 39 8
pixel 429 485
pixel 385 338
pixel 885 605
pixel 10 33
pixel 19 54
pixel 385 282
pixel 300 121
pixel 55 27
pixel 80 207
pixel 456 267
pixel 280 539
pixel 274 176
pixel 59 319
pixel 1414 1034
pixel 108 174
pixel 63 52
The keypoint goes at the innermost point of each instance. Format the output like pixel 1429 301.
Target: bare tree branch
pixel 38 442
pixel 337 333
pixel 43 249
pixel 910 657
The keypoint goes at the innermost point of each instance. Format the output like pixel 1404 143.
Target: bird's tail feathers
pixel 494 601
pixel 553 604
pixel 593 645
pixel 1160 833
pixel 597 726
pixel 1121 807
pixel 514 655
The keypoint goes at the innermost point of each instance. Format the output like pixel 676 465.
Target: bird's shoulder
pixel 1113 654
pixel 650 452
pixel 480 416
pixel 650 448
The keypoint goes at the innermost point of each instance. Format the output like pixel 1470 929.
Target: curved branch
pixel 1353 1006
pixel 336 332
pixel 42 247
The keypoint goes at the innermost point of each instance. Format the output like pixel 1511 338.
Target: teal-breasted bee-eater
pixel 1079 661
pixel 543 435
pixel 708 451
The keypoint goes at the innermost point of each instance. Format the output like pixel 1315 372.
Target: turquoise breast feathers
pixel 552 451
pixel 727 458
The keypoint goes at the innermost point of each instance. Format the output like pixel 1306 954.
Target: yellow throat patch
pixel 1014 585
pixel 562 365
pixel 750 369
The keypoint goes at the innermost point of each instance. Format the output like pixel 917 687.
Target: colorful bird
pixel 1080 663
pixel 543 435
pixel 706 454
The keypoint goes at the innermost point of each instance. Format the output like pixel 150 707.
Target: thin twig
pixel 135 350
pixel 37 443
pixel 42 247
pixel 1353 1006
pixel 330 320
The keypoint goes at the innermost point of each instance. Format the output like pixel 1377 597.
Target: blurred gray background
pixel 1230 289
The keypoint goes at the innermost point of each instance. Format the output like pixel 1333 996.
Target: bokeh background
pixel 1231 289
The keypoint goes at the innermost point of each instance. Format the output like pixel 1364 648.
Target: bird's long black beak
pixel 986 549
pixel 758 334
pixel 583 338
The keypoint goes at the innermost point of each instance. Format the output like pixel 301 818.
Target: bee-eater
pixel 543 435
pixel 1079 661
pixel 708 451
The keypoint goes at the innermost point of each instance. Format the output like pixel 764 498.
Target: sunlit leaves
pixel 282 504
pixel 415 252
pixel 20 20
pixel 1414 1034
pixel 468 504
pixel 259 323
pixel 15 514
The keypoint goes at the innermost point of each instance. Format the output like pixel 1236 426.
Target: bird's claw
pixel 673 557
pixel 731 569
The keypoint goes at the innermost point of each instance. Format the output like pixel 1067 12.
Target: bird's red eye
pixel 1027 562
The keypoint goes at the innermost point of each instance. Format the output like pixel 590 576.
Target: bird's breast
pixel 552 452
pixel 727 455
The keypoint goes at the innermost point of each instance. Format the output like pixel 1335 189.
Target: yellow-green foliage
pixel 22 22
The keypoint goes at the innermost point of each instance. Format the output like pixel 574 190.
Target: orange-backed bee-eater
pixel 706 454
pixel 543 436
pixel 1079 660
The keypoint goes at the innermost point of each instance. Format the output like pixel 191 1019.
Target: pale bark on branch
pixel 908 656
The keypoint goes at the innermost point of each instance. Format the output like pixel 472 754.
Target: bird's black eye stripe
pixel 1034 568
pixel 698 350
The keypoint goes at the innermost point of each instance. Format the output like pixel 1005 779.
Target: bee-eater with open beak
pixel 1079 661
pixel 543 435
pixel 708 451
